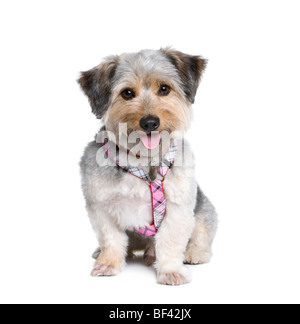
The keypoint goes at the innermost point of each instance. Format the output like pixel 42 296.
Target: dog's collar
pixel 156 186
pixel 165 164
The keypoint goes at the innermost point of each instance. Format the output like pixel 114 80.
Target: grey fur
pixel 200 200
pixel 190 69
pixel 145 63
pixel 182 69
pixel 208 215
pixel 96 254
pixel 97 84
pixel 90 168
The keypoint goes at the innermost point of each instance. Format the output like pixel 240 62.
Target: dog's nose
pixel 150 123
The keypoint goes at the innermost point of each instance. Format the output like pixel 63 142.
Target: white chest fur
pixel 128 202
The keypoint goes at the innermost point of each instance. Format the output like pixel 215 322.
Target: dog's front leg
pixel 113 244
pixel 171 242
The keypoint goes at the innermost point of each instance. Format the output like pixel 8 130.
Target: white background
pixel 245 135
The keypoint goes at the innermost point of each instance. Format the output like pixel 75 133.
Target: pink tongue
pixel 150 141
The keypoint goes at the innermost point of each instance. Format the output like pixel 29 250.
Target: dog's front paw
pixel 197 257
pixel 109 263
pixel 174 278
pixel 101 270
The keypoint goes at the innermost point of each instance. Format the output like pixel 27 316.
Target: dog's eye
pixel 128 94
pixel 164 90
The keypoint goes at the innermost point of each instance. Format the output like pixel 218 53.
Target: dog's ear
pixel 97 85
pixel 190 69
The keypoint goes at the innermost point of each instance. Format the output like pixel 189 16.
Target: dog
pixel 152 93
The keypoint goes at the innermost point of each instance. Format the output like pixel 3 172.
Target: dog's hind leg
pixel 199 249
pixel 137 242
pixel 149 255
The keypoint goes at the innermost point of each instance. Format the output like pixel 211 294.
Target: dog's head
pixel 149 91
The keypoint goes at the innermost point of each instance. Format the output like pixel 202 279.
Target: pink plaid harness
pixel 156 187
